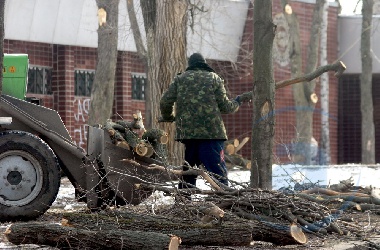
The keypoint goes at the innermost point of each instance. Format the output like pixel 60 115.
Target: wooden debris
pixel 156 135
pixel 123 135
pixel 231 156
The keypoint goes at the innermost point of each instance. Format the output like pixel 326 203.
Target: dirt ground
pixel 368 223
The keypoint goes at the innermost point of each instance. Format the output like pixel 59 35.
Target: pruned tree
pixel 264 86
pixel 263 95
pixel 102 92
pixel 366 103
pixel 304 94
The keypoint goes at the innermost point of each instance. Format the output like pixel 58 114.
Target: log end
pixel 141 150
pixel 297 234
pixel 341 68
pixel 164 139
pixel 174 243
pixel 229 149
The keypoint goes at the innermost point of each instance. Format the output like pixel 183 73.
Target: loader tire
pixel 29 176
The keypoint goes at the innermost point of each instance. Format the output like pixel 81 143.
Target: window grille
pixel 39 80
pixel 138 86
pixel 83 82
pixel 350 118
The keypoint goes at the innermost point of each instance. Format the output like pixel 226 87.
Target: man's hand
pixel 169 119
pixel 246 97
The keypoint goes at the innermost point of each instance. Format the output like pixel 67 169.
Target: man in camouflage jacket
pixel 200 98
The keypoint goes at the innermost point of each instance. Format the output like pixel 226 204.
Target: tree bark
pixel 65 237
pixel 324 148
pixel 263 93
pixel 191 233
pixel 102 92
pixel 366 100
pixel 165 24
pixel 134 231
pixel 149 15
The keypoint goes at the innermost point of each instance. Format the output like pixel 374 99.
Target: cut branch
pixel 338 67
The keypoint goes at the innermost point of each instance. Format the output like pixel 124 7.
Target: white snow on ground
pixel 283 176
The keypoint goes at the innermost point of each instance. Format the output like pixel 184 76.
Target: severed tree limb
pixel 191 232
pixel 178 172
pixel 289 234
pixel 325 191
pixel 338 67
pixel 65 237
pixel 241 144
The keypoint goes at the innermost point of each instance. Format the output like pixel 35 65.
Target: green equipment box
pixel 15 73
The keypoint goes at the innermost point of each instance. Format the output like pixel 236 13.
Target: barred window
pixel 83 82
pixel 138 86
pixel 39 80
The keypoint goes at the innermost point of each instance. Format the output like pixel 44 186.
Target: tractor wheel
pixel 29 176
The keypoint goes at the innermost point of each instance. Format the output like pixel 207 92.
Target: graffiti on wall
pixel 81 107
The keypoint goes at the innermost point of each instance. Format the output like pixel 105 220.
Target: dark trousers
pixel 208 152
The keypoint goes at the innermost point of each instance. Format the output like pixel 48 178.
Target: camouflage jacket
pixel 200 99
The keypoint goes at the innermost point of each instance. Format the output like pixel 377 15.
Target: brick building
pixel 62 69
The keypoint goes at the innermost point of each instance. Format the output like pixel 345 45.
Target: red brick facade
pixel 238 77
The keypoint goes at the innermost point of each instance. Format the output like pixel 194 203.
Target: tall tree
pixel 366 103
pixel 325 126
pixel 102 93
pixel 165 25
pixel 263 95
pixel 2 17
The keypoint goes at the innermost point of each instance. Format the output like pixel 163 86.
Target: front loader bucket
pixel 123 177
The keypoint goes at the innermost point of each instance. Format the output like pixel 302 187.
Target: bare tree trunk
pixel 366 104
pixel 325 126
pixel 141 50
pixel 102 93
pixel 294 53
pixel 2 17
pixel 263 92
pixel 148 10
pixel 303 94
pixel 167 57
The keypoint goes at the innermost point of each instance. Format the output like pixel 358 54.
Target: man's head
pixel 195 59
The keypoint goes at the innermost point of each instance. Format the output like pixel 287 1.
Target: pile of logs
pixel 122 134
pixel 232 157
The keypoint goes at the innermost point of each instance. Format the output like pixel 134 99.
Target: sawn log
pixel 65 237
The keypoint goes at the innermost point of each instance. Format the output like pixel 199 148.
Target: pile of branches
pixel 222 216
